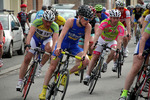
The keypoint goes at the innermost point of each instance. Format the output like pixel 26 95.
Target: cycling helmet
pixel 23 5
pixel 120 4
pixel 148 6
pixel 104 9
pixel 93 9
pixel 115 13
pixel 85 11
pixel 98 7
pixel 131 6
pixel 48 15
pixel 138 6
pixel 54 11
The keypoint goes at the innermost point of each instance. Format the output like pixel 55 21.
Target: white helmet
pixel 115 13
pixel 120 3
pixel 48 15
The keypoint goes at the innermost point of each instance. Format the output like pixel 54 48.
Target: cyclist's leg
pixel 135 27
pixel 133 72
pixel 81 43
pixel 90 44
pixel 125 43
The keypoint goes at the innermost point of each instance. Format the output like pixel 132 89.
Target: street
pixel 107 88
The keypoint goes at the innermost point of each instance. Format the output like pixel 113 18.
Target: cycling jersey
pixel 111 32
pixel 60 20
pixel 1 27
pixel 41 32
pixel 147 18
pixel 70 41
pixel 39 14
pixel 93 22
pixel 146 13
pixel 137 14
pixel 103 16
pixel 124 16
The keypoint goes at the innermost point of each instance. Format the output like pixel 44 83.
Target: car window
pixel 5 20
pixel 15 20
pixel 13 23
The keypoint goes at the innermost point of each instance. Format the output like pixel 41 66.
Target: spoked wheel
pixel 29 79
pixel 61 86
pixel 51 86
pixel 81 75
pixel 119 70
pixel 95 75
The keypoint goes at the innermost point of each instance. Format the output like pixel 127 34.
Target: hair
pixel 44 7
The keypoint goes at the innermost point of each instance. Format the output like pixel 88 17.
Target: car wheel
pixel 10 51
pixel 21 50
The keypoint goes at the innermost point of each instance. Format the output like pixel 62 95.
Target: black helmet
pixel 85 11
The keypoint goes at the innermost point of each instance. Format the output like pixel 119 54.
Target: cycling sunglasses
pixel 86 19
pixel 98 11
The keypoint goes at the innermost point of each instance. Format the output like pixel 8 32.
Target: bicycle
pixel 120 61
pixel 96 72
pixel 56 87
pixel 143 77
pixel 30 74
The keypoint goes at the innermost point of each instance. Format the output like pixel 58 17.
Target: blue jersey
pixel 39 14
pixel 74 34
pixel 103 16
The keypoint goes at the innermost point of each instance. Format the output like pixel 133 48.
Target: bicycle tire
pixel 58 85
pixel 131 96
pixel 81 75
pixel 29 81
pixel 51 86
pixel 96 76
pixel 119 65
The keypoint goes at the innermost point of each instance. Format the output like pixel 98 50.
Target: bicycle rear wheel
pixel 95 76
pixel 61 86
pixel 29 79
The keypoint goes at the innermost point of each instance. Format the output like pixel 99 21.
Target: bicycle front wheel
pixel 95 76
pixel 29 79
pixel 61 86
pixel 81 75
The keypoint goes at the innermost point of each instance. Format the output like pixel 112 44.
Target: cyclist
pixel 59 19
pixel 110 31
pixel 94 23
pixel 68 39
pixel 1 44
pixel 40 33
pixel 41 12
pixel 99 13
pixel 138 59
pixel 23 17
pixel 137 13
pixel 125 19
pixel 104 11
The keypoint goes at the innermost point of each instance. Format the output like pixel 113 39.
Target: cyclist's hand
pixel 140 56
pixel 57 51
pixel 83 58
pixel 27 47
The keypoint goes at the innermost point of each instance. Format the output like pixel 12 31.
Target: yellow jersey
pixel 146 12
pixel 60 20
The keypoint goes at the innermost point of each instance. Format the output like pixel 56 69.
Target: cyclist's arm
pixel 67 26
pixel 30 34
pixel 87 39
pixel 97 34
pixel 128 25
pixel 132 18
pixel 55 38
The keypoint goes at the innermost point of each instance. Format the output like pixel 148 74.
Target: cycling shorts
pixel 72 48
pixel 99 48
pixel 35 43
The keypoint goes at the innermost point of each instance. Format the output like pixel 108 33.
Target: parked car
pixel 14 38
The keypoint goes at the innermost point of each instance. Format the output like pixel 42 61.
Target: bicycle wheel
pixel 61 88
pixel 81 75
pixel 95 76
pixel 51 86
pixel 131 96
pixel 29 79
pixel 119 65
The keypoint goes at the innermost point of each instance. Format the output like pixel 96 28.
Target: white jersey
pixel 147 18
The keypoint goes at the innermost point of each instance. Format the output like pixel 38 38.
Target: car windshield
pixel 4 20
pixel 67 14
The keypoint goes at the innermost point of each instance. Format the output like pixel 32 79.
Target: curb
pixel 4 71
